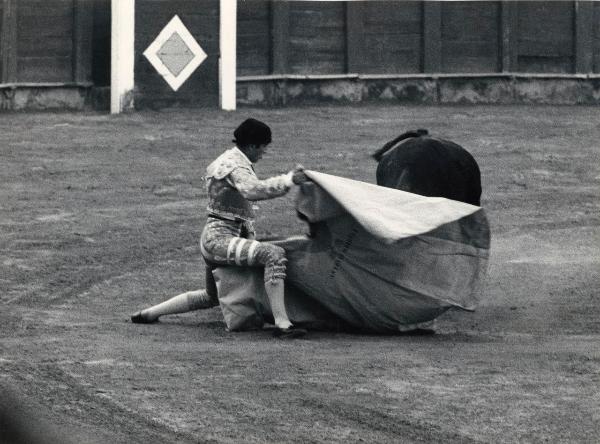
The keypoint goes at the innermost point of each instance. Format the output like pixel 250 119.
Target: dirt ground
pixel 100 216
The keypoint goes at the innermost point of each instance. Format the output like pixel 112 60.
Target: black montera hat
pixel 252 131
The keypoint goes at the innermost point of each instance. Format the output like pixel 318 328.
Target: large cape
pixel 381 260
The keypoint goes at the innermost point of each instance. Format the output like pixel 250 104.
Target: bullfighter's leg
pixel 244 252
pixel 251 253
pixel 272 257
pixel 182 303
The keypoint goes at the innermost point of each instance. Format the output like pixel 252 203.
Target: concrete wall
pixel 46 98
pixel 509 89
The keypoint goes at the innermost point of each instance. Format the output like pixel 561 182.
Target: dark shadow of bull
pixel 420 164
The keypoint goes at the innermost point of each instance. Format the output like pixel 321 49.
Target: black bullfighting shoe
pixel 138 318
pixel 289 332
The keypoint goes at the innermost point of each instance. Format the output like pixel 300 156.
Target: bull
pixel 425 165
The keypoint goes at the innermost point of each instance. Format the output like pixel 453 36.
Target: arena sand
pixel 101 216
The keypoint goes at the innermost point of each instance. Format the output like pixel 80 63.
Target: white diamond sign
pixel 174 53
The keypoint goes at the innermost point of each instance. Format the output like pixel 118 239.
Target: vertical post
pixel 432 36
pixel 8 42
pixel 227 61
pixel 122 55
pixel 355 36
pixel 280 26
pixel 83 22
pixel 584 34
pixel 509 26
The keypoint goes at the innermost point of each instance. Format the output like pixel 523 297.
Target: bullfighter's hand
pixel 298 175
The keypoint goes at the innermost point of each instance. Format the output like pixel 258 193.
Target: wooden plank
pixel 312 18
pixel 44 46
pixel 393 37
pixel 253 60
pixel 546 19
pixel 398 29
pixel 546 40
pixel 49 13
pixel 432 36
pixel 254 26
pixel 529 46
pixel 470 21
pixel 389 43
pixel 355 38
pixel 469 32
pixel 167 8
pixel 83 20
pixel 316 44
pixel 253 10
pixel 280 27
pixel 470 65
pixel 254 38
pixel 35 4
pixel 388 18
pixel 319 65
pixel 44 69
pixel 509 36
pixel 45 8
pixel 300 24
pixel 200 22
pixel 316 30
pixel 596 47
pixel 398 61
pixel 8 41
pixel 584 36
pixel 319 11
pixel 332 64
pixel 540 64
pixel 254 43
pixel 257 63
pixel 253 52
pixel 38 26
pixel 101 43
pixel 454 49
pixel 391 13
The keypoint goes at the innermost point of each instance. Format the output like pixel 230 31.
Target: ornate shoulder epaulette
pixel 226 163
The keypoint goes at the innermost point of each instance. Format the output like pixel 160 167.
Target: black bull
pixel 420 164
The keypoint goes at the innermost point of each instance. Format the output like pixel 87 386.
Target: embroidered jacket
pixel 232 184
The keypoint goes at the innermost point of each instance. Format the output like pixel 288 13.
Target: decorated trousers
pixel 227 242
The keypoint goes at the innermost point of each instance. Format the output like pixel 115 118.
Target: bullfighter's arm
pixel 252 188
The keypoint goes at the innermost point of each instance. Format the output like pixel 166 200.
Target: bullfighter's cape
pixel 381 260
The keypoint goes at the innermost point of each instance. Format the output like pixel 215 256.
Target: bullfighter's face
pixel 255 152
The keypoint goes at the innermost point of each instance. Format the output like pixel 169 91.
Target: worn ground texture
pixel 100 216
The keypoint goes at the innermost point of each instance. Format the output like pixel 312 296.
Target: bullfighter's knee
pixel 274 260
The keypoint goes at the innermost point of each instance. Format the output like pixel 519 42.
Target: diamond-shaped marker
pixel 174 53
